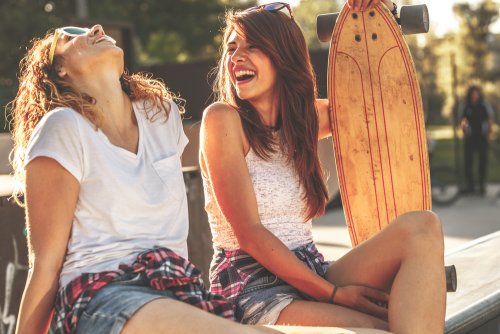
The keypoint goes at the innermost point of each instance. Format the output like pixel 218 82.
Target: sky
pixel 441 14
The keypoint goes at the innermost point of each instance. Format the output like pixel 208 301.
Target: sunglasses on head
pixel 273 7
pixel 67 31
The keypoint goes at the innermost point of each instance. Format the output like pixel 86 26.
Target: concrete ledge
pixel 6 144
pixel 477 299
pixel 6 185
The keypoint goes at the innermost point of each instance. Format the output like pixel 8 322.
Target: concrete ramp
pixel 475 306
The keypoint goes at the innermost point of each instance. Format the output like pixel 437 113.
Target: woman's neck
pixel 110 99
pixel 268 111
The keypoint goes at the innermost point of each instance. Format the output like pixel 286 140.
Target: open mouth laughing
pixel 243 76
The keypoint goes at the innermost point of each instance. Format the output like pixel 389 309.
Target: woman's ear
pixel 60 70
pixel 61 73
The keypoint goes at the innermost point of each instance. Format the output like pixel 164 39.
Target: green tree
pixel 20 21
pixel 305 15
pixel 473 38
pixel 169 30
pixel 426 58
pixel 164 30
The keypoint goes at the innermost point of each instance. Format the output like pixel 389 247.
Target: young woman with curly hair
pixel 97 156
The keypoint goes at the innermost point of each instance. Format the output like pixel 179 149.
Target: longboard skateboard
pixel 376 115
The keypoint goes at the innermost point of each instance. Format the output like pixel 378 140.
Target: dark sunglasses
pixel 273 7
pixel 67 31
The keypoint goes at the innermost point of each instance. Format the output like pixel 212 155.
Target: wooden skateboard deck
pixel 377 120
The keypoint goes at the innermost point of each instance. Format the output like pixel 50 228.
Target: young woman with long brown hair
pixel 263 184
pixel 97 155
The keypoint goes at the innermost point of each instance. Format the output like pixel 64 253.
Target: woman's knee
pixel 420 227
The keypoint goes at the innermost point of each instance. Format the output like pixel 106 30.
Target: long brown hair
pixel 280 38
pixel 41 90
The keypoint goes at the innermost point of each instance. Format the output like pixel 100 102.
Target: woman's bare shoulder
pixel 221 115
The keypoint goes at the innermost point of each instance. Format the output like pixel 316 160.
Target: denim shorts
pixel 261 301
pixel 113 305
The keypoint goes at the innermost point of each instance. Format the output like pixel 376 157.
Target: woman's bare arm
pixel 324 126
pixel 51 196
pixel 223 160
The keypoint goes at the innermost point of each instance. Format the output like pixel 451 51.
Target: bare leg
pixel 406 259
pixel 171 316
pixel 325 330
pixel 311 313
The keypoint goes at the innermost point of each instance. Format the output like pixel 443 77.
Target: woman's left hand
pixel 367 4
pixel 364 299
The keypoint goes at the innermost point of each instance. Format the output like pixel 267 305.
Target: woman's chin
pixel 243 95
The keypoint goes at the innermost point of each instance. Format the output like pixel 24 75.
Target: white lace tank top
pixel 279 201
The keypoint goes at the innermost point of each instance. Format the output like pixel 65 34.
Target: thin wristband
pixel 333 294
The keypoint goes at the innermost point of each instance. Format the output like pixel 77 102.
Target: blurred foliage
pixel 474 38
pixel 433 96
pixel 167 31
pixel 164 30
pixel 305 15
pixel 470 55
pixel 20 21
pixel 447 65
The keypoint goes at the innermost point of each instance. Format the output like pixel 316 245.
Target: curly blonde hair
pixel 41 90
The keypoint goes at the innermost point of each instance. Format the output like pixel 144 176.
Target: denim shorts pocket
pixel 100 323
pixel 262 283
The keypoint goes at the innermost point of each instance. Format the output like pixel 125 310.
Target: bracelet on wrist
pixel 332 297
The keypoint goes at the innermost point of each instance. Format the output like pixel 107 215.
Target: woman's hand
pixel 361 298
pixel 367 4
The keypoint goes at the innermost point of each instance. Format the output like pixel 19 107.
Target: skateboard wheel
pixel 324 26
pixel 451 278
pixel 414 19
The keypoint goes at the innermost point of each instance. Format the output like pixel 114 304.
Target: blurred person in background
pixel 476 121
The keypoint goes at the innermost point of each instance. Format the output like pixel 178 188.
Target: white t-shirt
pixel 127 202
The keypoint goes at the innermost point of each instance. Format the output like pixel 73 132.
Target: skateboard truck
pixel 412 19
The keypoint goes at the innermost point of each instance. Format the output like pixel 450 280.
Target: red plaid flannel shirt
pixel 164 270
pixel 233 270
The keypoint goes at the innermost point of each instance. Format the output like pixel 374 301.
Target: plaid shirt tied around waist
pixel 232 271
pixel 163 268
